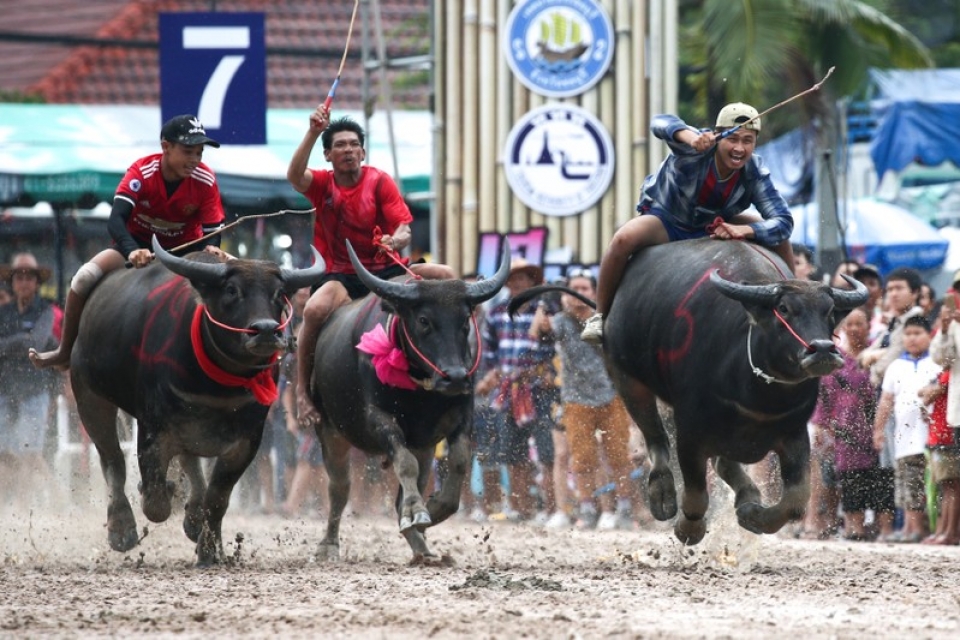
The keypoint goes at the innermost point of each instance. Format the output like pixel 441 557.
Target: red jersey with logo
pixel 177 218
pixel 351 213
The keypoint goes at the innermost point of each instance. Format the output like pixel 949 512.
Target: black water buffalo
pixel 432 323
pixel 717 330
pixel 192 359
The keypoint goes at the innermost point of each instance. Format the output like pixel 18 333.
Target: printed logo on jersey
pixel 559 48
pixel 135 185
pixel 559 160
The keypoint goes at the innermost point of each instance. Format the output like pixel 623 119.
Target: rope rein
pixel 281 327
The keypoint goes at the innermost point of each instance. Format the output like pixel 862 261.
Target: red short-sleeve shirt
pixel 176 219
pixel 351 213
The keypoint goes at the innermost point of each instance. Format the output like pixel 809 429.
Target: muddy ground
pixel 58 578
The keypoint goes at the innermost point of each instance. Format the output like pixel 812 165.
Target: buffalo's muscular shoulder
pixel 187 348
pixel 720 332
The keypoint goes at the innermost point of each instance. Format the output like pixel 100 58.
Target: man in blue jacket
pixel 701 189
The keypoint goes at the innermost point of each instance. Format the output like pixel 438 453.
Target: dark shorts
pixel 862 489
pixel 351 281
pixel 674 232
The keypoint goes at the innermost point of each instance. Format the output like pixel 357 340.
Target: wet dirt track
pixel 58 578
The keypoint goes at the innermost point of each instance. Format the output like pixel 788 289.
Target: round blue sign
pixel 559 48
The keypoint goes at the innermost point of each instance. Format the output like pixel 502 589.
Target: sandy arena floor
pixel 59 579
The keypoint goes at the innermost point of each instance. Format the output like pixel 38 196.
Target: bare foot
pixel 307 414
pixel 49 359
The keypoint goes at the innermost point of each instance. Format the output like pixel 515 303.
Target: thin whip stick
pixel 129 264
pixel 238 221
pixel 346 48
pixel 815 87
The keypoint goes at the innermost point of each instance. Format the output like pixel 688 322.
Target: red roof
pixel 96 74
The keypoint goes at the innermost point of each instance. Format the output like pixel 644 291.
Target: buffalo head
pixel 244 299
pixel 435 322
pixel 792 323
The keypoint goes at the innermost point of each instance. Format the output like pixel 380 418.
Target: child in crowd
pixel 902 383
pixel 944 464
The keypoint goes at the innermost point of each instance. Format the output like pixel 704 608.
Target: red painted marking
pixel 171 304
pixel 683 314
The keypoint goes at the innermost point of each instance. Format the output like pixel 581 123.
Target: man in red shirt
pixel 352 200
pixel 170 194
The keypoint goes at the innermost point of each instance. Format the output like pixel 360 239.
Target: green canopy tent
pixel 73 157
pixel 76 154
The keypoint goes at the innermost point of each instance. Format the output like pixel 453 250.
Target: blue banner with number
pixel 213 65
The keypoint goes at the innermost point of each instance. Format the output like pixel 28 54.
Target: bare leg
pixel 635 234
pixel 318 308
pixel 83 283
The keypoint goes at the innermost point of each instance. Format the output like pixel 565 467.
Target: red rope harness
pixel 426 360
pixel 281 327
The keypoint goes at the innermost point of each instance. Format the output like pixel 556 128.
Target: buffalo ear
pixel 387 306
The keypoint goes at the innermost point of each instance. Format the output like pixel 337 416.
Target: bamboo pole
pixel 438 71
pixel 471 147
pixel 504 102
pixel 591 222
pixel 625 187
pixel 641 107
pixel 454 123
pixel 521 103
pixel 488 123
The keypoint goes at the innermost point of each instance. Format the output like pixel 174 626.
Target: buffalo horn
pixel 383 288
pixel 203 272
pixel 764 295
pixel 845 299
pixel 294 279
pixel 483 290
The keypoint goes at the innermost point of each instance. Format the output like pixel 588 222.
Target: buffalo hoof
pixel 328 552
pixel 123 539
pixel 690 532
pixel 156 501
pixel 420 520
pixel 432 560
pixel 750 515
pixel 121 527
pixel 663 494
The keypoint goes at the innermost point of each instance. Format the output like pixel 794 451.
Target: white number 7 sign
pixel 210 111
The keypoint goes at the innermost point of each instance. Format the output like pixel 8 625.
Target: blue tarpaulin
pixel 918 117
pixel 876 232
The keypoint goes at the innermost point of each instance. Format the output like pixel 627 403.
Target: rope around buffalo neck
pixel 757 371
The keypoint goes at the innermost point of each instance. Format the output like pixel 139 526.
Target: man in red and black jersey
pixel 170 194
pixel 352 199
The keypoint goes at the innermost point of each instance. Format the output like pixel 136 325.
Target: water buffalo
pixel 431 323
pixel 189 351
pixel 717 331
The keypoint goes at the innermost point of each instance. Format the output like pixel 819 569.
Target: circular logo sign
pixel 559 48
pixel 559 160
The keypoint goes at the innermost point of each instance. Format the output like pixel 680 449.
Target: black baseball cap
pixel 186 129
pixel 867 270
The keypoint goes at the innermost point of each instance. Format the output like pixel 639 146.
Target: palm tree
pixel 762 51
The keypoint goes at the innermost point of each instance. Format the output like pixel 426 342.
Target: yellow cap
pixel 736 113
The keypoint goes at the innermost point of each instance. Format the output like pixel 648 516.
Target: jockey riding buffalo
pixel 717 331
pixel 394 376
pixel 189 351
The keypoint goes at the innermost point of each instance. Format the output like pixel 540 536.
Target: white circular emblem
pixel 559 48
pixel 559 160
pixel 135 185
